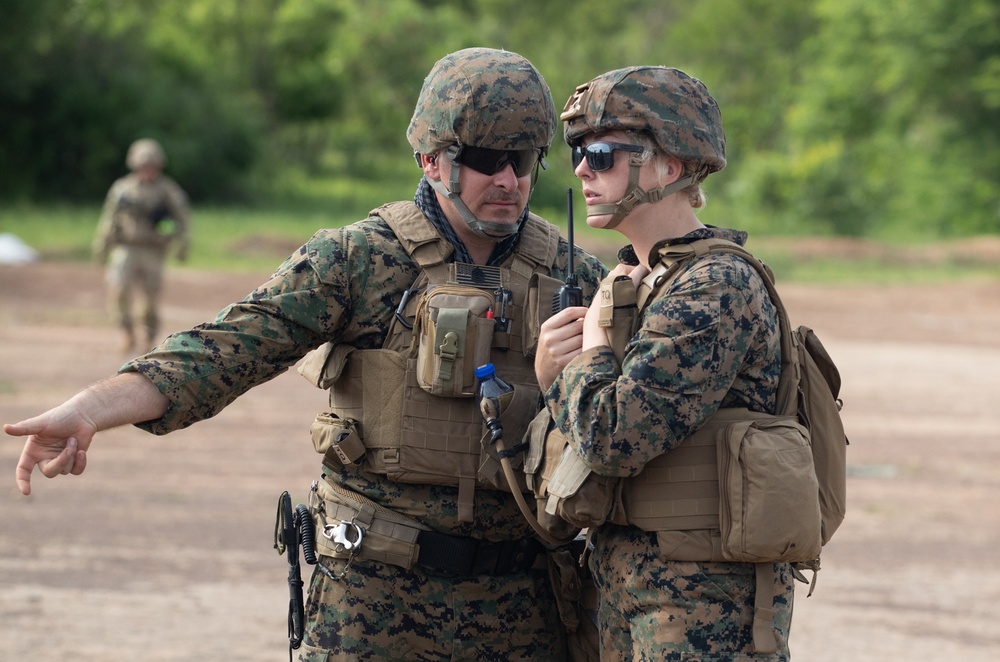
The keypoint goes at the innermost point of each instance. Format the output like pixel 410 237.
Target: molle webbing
pixel 679 490
pixel 375 390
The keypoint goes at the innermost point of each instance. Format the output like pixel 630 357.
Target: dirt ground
pixel 162 550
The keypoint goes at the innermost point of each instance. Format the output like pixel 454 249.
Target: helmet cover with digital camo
pixel 674 109
pixel 485 98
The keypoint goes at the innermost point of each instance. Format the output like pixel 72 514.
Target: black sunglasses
pixel 601 155
pixel 492 161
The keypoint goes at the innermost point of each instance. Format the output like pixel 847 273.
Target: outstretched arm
pixel 59 438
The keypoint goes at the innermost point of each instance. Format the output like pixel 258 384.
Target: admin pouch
pixel 747 487
pixel 453 330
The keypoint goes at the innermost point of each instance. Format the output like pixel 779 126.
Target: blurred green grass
pixel 257 240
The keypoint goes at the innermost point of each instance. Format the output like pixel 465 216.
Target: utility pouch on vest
pixel 541 290
pixel 453 332
pixel 577 494
pixel 323 366
pixel 618 312
pixel 539 464
pixel 769 494
pixel 569 496
pixel 348 526
pixel 337 439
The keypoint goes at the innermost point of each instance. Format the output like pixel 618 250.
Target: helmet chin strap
pixel 635 196
pixel 484 229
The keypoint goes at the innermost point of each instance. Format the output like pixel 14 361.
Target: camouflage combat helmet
pixel 145 151
pixel 674 109
pixel 485 98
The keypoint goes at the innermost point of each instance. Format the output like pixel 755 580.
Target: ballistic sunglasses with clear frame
pixel 601 155
pixel 492 161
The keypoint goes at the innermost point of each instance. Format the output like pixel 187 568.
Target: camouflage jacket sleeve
pixel 711 341
pixel 341 286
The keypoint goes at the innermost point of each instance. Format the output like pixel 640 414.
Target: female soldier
pixel 643 140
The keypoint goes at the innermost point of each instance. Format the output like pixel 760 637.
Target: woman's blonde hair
pixel 696 196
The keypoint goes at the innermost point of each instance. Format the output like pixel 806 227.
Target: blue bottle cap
pixel 484 371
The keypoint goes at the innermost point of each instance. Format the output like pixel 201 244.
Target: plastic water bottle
pixel 494 396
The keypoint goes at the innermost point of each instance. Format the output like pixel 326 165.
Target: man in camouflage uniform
pixel 643 140
pixel 144 213
pixel 472 587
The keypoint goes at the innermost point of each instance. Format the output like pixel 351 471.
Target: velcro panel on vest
pixel 440 437
pixel 678 490
pixel 370 390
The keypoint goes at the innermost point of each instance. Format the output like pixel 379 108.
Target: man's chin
pixel 501 219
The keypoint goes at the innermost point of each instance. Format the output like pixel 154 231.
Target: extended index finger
pixel 22 474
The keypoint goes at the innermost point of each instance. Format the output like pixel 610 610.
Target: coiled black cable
pixel 307 533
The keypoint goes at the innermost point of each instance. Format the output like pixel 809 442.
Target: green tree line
pixel 842 116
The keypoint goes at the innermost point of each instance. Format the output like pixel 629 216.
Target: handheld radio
pixel 570 293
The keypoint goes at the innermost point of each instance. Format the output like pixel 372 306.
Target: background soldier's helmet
pixel 672 107
pixel 484 98
pixel 145 151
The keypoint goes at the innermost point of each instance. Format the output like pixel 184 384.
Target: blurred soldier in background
pixel 144 213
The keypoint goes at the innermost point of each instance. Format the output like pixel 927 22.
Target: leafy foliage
pixel 842 116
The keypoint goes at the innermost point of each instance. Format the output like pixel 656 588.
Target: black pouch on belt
pixel 452 556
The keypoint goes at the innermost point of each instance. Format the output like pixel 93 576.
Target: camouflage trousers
pixel 133 268
pixel 384 612
pixel 652 609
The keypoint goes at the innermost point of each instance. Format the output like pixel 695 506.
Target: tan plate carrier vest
pixel 378 408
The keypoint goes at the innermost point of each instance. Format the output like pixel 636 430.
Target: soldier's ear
pixel 430 165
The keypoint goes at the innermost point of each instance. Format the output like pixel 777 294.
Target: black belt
pixel 441 554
